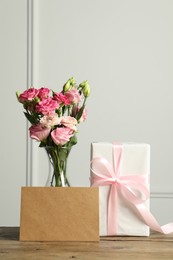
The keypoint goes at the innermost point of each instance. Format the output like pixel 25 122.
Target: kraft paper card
pixel 59 214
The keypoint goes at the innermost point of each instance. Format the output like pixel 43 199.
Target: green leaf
pixel 49 148
pixel 79 114
pixel 42 144
pixel 63 153
pixel 31 118
pixel 73 140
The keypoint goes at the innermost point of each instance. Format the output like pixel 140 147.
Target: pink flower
pixel 84 115
pixel 43 93
pixel 62 99
pixel 73 95
pixel 38 132
pixel 69 122
pixel 61 135
pixel 50 120
pixel 28 95
pixel 47 106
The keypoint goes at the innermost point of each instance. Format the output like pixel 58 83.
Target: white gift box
pixel 135 160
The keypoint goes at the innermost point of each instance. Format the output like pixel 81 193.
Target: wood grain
pixel 156 246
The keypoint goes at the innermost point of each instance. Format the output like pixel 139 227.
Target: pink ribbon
pixel 132 188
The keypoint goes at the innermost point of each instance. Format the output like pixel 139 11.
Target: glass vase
pixel 58 157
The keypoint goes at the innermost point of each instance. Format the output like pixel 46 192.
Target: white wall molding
pixel 32 150
pixel 29 82
pixel 162 195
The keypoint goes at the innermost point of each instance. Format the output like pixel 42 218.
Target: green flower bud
pixel 67 86
pixel 72 81
pixel 36 99
pixel 86 89
pixel 17 95
pixel 82 85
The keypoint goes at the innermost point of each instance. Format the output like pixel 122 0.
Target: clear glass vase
pixel 58 157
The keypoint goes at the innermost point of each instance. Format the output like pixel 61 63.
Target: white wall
pixel 124 49
pixel 13 69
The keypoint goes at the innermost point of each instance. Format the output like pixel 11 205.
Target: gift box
pixel 122 173
pixel 59 214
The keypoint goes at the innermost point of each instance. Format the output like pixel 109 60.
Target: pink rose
pixel 62 99
pixel 43 93
pixel 73 95
pixel 38 132
pixel 84 115
pixel 50 120
pixel 47 106
pixel 61 135
pixel 69 122
pixel 28 95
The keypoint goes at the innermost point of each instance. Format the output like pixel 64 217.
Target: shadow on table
pixel 9 233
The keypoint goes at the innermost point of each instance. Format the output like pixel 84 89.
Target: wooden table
pixel 156 246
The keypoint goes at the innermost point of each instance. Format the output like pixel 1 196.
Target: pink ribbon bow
pixel 132 188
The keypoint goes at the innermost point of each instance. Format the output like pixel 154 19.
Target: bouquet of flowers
pixel 54 117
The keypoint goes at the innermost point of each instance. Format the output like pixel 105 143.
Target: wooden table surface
pixel 156 246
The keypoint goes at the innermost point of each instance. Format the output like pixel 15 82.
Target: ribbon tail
pixel 144 212
pixel 112 211
pixel 149 220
